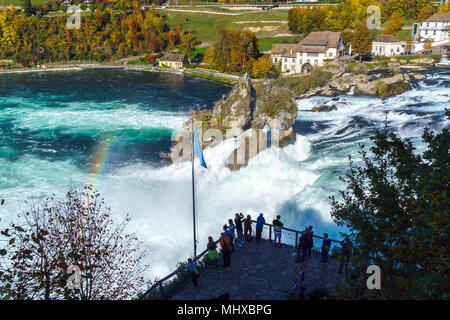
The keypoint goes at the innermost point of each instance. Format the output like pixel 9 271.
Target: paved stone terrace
pixel 261 272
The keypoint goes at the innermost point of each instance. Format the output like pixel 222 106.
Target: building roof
pixel 389 38
pixel 324 39
pixel 173 57
pixel 439 17
pixel 285 49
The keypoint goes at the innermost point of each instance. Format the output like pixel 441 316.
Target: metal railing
pixel 266 229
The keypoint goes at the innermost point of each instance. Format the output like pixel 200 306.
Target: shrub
pixel 319 294
pixel 151 59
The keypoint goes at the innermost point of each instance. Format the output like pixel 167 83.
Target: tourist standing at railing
pixel 259 227
pixel 302 245
pixel 193 271
pixel 238 223
pixel 326 244
pixel 230 235
pixel 226 249
pixel 232 229
pixel 310 240
pixel 248 228
pixel 346 253
pixel 277 229
pixel 212 252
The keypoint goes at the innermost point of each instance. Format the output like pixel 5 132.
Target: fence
pixel 169 286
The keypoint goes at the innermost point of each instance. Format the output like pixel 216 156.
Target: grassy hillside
pixel 205 25
pixel 18 2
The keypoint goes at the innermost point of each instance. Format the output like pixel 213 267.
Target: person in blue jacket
pixel 326 244
pixel 259 226
pixel 229 234
pixel 193 271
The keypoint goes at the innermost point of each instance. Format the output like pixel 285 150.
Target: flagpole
pixel 193 190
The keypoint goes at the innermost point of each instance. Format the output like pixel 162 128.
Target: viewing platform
pixel 258 271
pixel 262 272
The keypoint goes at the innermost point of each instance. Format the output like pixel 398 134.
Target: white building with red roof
pixel 435 27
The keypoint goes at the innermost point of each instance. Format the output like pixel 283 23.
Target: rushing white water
pixel 295 181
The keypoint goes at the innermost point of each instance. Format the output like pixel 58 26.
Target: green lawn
pixel 402 35
pixel 206 26
pixel 19 2
pixel 265 44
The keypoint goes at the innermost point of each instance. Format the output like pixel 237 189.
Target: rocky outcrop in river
pixel 254 106
pixel 382 84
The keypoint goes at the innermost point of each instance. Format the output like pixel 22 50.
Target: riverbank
pixel 35 70
pixel 197 73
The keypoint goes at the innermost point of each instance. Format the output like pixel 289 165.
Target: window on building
pixel 293 60
pixel 316 62
pixel 308 61
pixel 330 54
pixel 301 62
pixel 275 60
pixel 426 32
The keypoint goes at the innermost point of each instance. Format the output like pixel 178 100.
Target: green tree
pixel 396 208
pixel 362 41
pixel 27 7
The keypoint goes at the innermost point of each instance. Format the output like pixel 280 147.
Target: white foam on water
pixel 85 119
pixel 161 199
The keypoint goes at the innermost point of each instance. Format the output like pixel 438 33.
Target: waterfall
pixel 352 91
pixel 445 61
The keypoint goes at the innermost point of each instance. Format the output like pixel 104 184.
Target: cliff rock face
pixel 385 87
pixel 237 109
pixel 276 108
pixel 249 106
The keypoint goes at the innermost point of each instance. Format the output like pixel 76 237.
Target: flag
pixel 198 150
